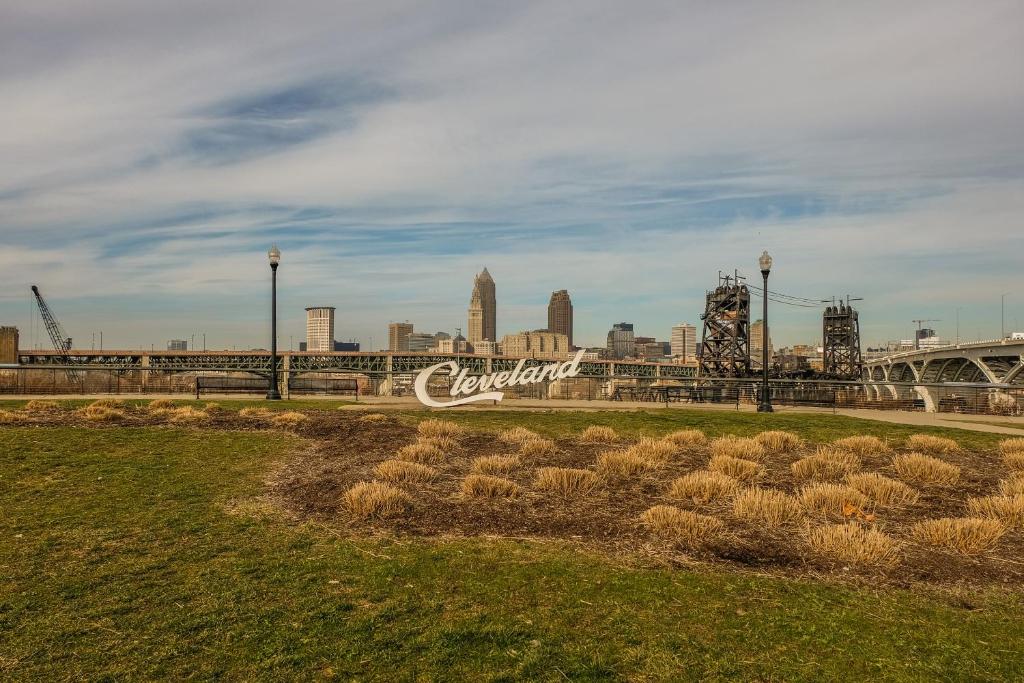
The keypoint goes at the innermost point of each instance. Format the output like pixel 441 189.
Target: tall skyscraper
pixel 756 344
pixel 620 340
pixel 483 307
pixel 320 328
pixel 560 314
pixel 684 341
pixel 398 336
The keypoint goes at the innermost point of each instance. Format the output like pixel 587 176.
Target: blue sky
pixel 626 152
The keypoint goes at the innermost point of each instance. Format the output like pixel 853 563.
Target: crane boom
pixel 61 342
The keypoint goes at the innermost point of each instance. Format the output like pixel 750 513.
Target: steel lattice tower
pixel 725 341
pixel 841 342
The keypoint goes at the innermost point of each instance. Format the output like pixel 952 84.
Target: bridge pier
pixel 144 374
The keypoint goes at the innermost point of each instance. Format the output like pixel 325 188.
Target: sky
pixel 150 154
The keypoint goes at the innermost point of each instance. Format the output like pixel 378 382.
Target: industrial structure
pixel 840 334
pixel 725 342
pixel 60 340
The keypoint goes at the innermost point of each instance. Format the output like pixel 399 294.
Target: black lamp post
pixel 766 402
pixel 275 258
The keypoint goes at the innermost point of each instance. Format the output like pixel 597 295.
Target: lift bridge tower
pixel 840 332
pixel 725 341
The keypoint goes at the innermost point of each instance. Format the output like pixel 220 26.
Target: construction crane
pixel 61 342
pixel 917 335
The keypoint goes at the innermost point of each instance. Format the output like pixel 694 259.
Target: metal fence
pixel 947 398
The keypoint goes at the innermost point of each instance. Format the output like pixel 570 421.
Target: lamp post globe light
pixel 765 262
pixel 275 258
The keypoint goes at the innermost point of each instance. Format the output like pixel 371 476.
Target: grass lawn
pixel 119 559
pixel 227 404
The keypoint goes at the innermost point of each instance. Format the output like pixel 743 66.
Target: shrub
pixel 375 499
pixel 431 429
pixel 599 434
pixel 682 526
pixel 373 417
pixel 831 499
pixel 404 471
pixel 486 486
pixel 1007 509
pixel 254 413
pixel 518 435
pixel 1014 460
pixel 655 450
pixel 95 413
pixel 622 464
pixel 737 447
pixel 495 464
pixel 703 487
pixel 420 452
pixel 882 490
pixel 687 437
pixel 1015 445
pixel 186 415
pixel 827 464
pixel 766 507
pixel 861 445
pixel 289 419
pixel 926 443
pixel 565 481
pixel 535 448
pixel 777 441
pixel 966 535
pixel 9 417
pixel 853 544
pixel 1012 486
pixel 161 404
pixel 924 470
pixel 738 468
pixel 37 406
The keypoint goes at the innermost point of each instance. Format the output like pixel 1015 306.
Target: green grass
pixel 118 560
pixel 228 404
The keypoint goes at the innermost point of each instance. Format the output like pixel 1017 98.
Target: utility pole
pixel 1002 316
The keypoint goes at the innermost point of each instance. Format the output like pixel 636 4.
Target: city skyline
pixel 627 163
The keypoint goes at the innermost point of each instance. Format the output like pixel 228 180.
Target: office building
pixel 177 345
pixel 684 341
pixel 560 314
pixel 620 341
pixel 398 336
pixel 346 346
pixel 483 307
pixel 535 344
pixel 756 344
pixel 419 341
pixel 320 328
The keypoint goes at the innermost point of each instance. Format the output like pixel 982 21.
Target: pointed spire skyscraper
pixel 483 309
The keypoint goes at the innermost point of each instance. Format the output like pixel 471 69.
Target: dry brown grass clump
pixel 861 445
pixel 38 406
pixel 703 487
pixel 655 450
pixel 535 448
pixel 495 464
pixel 966 535
pixel 432 429
pixel 373 417
pixel 517 435
pixel 375 499
pixel 599 434
pixel 115 403
pixel 289 419
pixel 831 499
pixel 923 470
pixel 766 507
pixel 187 415
pixel 486 486
pixel 737 468
pixel 881 489
pixel 213 408
pixel 565 481
pixel 9 417
pixel 101 413
pixel 1014 461
pixel 255 413
pixel 623 464
pixel 827 464
pixel 926 443
pixel 737 447
pixel 1015 445
pixel 682 526
pixel 160 404
pixel 1007 509
pixel 1012 486
pixel 404 471
pixel 420 452
pixel 687 437
pixel 445 444
pixel 854 544
pixel 777 441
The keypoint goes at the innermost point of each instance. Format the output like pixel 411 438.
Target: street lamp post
pixel 766 403
pixel 275 258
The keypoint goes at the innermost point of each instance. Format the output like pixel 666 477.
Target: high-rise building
pixel 398 336
pixel 320 328
pixel 620 341
pixel 419 341
pixel 538 343
pixel 8 344
pixel 483 309
pixel 177 345
pixel 684 341
pixel 756 341
pixel 560 314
